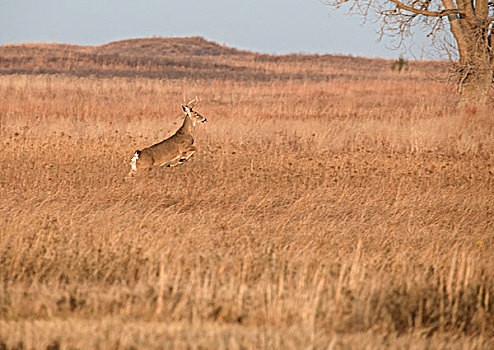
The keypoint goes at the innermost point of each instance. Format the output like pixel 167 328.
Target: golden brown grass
pixel 329 215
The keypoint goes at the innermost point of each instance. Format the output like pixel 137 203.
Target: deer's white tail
pixel 133 161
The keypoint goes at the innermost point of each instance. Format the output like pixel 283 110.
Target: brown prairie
pixel 335 204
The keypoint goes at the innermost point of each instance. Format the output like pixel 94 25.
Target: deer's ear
pixel 185 108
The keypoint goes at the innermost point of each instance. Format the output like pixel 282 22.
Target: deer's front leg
pixel 168 163
pixel 187 154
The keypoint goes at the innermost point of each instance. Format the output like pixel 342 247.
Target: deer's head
pixel 193 115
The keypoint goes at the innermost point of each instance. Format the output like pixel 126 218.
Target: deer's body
pixel 172 151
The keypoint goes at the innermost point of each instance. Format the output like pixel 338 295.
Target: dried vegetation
pixel 354 211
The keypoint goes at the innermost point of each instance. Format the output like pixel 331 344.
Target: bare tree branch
pixel 464 27
pixel 482 8
pixel 427 13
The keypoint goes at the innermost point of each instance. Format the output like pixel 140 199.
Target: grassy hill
pixel 195 57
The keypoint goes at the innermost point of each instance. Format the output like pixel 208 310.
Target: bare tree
pixel 470 24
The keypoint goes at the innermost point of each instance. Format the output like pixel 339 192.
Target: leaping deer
pixel 173 150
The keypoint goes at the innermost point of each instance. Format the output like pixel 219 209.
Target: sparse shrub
pixel 399 65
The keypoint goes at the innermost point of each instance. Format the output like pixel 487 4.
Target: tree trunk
pixel 475 80
pixel 476 58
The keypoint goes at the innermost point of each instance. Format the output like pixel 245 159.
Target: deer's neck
pixel 187 126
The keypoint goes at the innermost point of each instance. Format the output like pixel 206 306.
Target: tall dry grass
pixel 326 215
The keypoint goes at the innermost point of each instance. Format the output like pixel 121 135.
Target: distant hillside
pixel 194 46
pixel 194 58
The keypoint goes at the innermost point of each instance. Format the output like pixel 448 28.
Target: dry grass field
pixel 333 204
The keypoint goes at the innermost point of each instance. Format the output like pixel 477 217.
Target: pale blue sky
pixel 268 26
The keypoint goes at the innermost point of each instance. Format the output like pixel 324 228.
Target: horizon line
pixel 157 37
